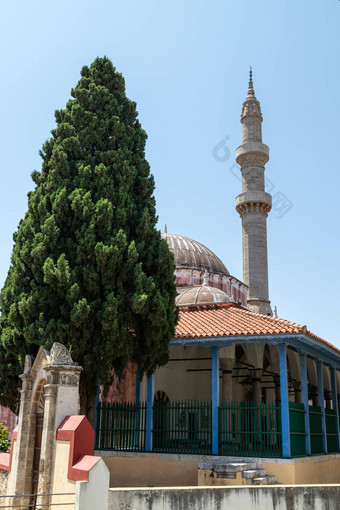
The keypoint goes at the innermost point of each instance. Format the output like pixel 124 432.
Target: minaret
pixel 254 204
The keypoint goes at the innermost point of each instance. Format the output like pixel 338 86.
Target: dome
pixel 202 295
pixel 190 254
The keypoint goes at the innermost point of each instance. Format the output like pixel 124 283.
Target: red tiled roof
pixel 231 320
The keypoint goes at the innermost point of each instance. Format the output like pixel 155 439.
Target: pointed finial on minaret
pixel 165 229
pixel 250 86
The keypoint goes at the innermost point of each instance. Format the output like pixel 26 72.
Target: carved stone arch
pixel 38 400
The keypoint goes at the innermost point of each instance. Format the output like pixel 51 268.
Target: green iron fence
pixel 332 435
pixel 250 428
pixel 182 427
pixel 297 429
pixel 316 435
pixel 121 426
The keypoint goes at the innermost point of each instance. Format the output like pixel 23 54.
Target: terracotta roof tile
pixel 231 320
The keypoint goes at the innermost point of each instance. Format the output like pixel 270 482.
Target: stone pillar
pixel 297 391
pixel 227 365
pixel 256 375
pixel 47 443
pixel 254 204
pixel 22 465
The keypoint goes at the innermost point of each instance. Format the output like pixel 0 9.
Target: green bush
pixel 5 443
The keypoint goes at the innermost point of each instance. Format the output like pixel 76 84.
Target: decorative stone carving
pixel 59 355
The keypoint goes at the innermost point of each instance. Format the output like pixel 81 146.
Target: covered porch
pixel 237 384
pixel 266 397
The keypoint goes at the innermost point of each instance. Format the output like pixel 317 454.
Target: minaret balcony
pixel 253 202
pixel 252 152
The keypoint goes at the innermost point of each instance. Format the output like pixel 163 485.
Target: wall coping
pixel 215 459
pixel 221 488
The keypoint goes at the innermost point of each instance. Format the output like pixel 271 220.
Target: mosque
pixel 240 381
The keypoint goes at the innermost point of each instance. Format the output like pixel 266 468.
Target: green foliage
pixel 5 443
pixel 89 268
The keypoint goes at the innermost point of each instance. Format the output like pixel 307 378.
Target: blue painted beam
pixel 284 401
pixel 215 397
pixel 149 413
pixel 301 342
pixel 335 401
pixel 321 401
pixel 304 398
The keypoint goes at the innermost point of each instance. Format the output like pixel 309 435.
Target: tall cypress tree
pixel 89 268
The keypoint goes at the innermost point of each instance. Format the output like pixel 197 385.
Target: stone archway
pixel 50 392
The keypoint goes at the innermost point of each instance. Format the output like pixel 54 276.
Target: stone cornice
pixel 253 208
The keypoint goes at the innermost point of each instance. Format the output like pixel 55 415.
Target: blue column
pixel 321 401
pixel 215 397
pixel 149 413
pixel 284 402
pixel 304 398
pixel 335 401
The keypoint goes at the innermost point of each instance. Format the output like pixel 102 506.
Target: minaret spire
pixel 254 204
pixel 251 92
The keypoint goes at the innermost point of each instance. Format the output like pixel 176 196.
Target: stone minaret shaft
pixel 254 204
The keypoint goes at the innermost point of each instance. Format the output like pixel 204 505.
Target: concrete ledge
pixel 175 457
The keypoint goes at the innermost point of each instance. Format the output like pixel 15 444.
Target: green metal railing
pixel 182 427
pixel 297 429
pixel 332 436
pixel 121 426
pixel 316 435
pixel 250 428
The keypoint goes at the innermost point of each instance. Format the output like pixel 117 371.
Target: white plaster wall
pixel 93 495
pixel 232 498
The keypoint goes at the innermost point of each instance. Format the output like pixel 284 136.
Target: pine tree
pixel 89 268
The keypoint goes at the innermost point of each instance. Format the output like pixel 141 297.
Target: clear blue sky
pixel 186 64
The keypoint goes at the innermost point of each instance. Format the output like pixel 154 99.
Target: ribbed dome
pixel 190 254
pixel 202 295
